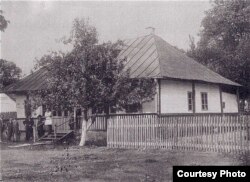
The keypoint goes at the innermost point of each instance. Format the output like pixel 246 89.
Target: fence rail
pixel 228 133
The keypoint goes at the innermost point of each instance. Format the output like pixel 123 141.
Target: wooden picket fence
pixel 100 124
pixel 227 133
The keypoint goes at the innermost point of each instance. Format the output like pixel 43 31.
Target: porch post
pixel 221 102
pixel 238 99
pixel 159 97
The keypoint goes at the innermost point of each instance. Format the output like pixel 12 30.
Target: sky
pixel 37 26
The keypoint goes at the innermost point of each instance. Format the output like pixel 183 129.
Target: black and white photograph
pixel 125 91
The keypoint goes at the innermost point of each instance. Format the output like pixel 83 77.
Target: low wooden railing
pixel 61 124
pixel 8 115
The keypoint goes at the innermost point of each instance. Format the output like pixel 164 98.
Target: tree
pixel 90 77
pixel 3 22
pixel 225 40
pixel 9 73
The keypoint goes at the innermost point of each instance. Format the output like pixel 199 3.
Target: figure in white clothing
pixel 48 121
pixel 246 107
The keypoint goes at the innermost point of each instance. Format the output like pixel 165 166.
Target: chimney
pixel 151 30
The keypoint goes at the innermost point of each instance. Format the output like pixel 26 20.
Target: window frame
pixel 204 101
pixel 190 100
pixel 133 108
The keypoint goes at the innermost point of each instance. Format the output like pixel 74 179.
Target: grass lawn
pixel 71 163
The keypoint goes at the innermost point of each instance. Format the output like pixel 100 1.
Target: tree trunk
pixel 86 123
pixel 84 133
pixel 84 128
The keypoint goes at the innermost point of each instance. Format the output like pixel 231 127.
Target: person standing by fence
pixel 71 121
pixel 48 121
pixel 246 106
pixel 16 131
pixel 1 128
pixel 40 124
pixel 9 129
pixel 28 123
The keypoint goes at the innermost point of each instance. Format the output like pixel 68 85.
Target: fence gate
pixel 228 133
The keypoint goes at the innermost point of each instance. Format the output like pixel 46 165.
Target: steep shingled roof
pixel 151 56
pixel 147 56
pixel 34 81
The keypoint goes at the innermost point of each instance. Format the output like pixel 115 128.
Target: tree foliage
pixel 224 43
pixel 9 73
pixel 3 22
pixel 90 76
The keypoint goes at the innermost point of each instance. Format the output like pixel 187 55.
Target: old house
pixel 183 85
pixel 20 89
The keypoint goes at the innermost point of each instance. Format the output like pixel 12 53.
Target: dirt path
pixel 63 163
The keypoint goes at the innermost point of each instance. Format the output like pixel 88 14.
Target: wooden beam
pixel 159 97
pixel 193 95
pixel 221 102
pixel 238 98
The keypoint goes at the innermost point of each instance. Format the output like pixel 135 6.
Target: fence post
pixel 248 131
pixel 106 122
pixel 34 134
pixel 34 127
pixel 248 127
pixel 55 132
pixel 176 134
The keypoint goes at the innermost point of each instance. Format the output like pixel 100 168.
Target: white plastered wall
pixel 20 108
pixel 149 107
pixel 174 96
pixel 230 100
pixel 7 104
pixel 213 96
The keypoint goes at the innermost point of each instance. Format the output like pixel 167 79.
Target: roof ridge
pixel 136 37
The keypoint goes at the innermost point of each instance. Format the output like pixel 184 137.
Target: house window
pixel 97 111
pixel 79 112
pixel 190 101
pixel 204 103
pixel 54 113
pixel 59 112
pixel 112 109
pixel 66 113
pixel 133 108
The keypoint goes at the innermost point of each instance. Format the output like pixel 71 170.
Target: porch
pixel 61 127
